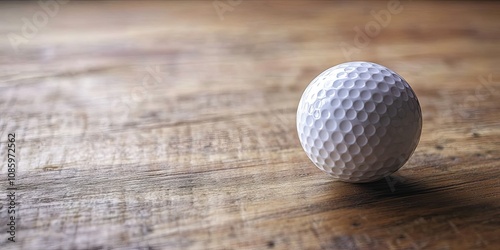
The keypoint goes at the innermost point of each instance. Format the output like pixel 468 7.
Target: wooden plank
pixel 164 125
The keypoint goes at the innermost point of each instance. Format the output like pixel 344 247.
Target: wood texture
pixel 163 125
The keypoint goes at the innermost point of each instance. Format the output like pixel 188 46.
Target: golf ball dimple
pixel 359 121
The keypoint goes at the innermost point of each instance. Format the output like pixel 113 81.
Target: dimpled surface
pixel 359 121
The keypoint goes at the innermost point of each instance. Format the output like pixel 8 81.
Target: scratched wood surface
pixel 171 125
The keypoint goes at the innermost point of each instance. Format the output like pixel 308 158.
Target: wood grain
pixel 162 125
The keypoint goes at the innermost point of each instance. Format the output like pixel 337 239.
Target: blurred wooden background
pixel 171 125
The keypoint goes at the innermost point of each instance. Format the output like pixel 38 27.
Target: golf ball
pixel 359 121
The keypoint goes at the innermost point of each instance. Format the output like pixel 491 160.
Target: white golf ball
pixel 359 121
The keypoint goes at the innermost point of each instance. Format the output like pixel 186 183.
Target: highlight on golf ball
pixel 359 121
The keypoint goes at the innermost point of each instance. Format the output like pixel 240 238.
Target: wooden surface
pixel 163 125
